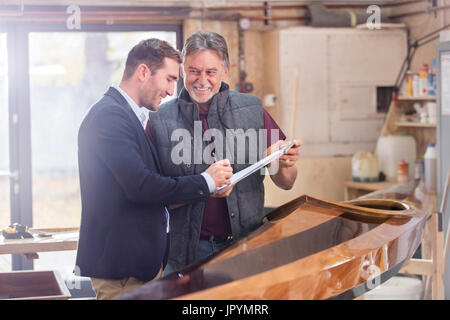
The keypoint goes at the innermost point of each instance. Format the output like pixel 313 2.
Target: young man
pixel 200 229
pixel 124 222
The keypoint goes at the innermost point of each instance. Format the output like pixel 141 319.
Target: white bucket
pixel 391 150
pixel 364 167
pixel 397 288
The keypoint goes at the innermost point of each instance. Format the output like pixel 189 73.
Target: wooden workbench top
pixel 369 186
pixel 61 239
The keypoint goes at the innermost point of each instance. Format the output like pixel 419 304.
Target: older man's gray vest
pixel 229 111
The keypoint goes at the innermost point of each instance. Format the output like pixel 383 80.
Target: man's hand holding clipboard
pixel 289 158
pixel 286 152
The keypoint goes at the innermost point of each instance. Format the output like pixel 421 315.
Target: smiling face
pixel 157 86
pixel 203 73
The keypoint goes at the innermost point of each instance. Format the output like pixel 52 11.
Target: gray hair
pixel 206 40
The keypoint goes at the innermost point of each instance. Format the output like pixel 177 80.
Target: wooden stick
pixel 418 266
pixel 437 286
pixel 439 260
pixel 443 207
pixel 52 230
pixel 294 104
pixel 427 291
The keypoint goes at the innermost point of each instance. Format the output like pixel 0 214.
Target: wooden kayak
pixel 307 249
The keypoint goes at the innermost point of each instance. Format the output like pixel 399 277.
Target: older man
pixel 206 102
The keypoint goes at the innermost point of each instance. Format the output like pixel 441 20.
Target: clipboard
pixel 238 176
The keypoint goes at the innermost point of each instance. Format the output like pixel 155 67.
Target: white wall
pixel 335 95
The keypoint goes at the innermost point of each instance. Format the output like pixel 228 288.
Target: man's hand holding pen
pixel 221 172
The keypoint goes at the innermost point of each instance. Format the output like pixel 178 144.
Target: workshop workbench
pixel 61 239
pixel 353 190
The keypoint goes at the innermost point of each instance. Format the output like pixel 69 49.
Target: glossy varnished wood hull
pixel 308 249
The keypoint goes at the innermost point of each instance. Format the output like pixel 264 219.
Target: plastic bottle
pixel 430 167
pixel 402 172
pixel 431 90
pixel 416 85
pixel 419 169
pixel 423 80
pixel 409 83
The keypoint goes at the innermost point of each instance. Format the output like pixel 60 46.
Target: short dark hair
pixel 151 52
pixel 207 40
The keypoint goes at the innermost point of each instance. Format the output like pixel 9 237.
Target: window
pixel 5 261
pixel 68 73
pixel 4 134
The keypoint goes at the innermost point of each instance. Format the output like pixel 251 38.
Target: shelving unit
pixel 415 124
pixel 417 98
pixel 406 102
pixel 353 190
pixel 423 133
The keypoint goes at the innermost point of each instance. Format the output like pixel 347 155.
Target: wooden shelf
pixel 369 186
pixel 61 239
pixel 353 189
pixel 417 98
pixel 415 124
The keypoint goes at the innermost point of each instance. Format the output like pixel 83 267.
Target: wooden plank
pixel 271 71
pixel 59 241
pixel 369 186
pixel 429 205
pixel 415 124
pixel 54 230
pixel 437 250
pixel 36 285
pixel 418 266
pixel 417 98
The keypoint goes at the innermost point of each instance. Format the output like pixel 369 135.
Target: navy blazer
pixel 123 222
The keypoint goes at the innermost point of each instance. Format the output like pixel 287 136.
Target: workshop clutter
pixel 424 112
pixel 395 160
pixel 420 84
pixel 391 150
pixel 364 167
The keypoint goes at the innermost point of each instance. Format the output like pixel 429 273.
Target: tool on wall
pixel 412 48
pixel 411 51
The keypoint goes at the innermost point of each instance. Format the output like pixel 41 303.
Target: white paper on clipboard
pixel 238 176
